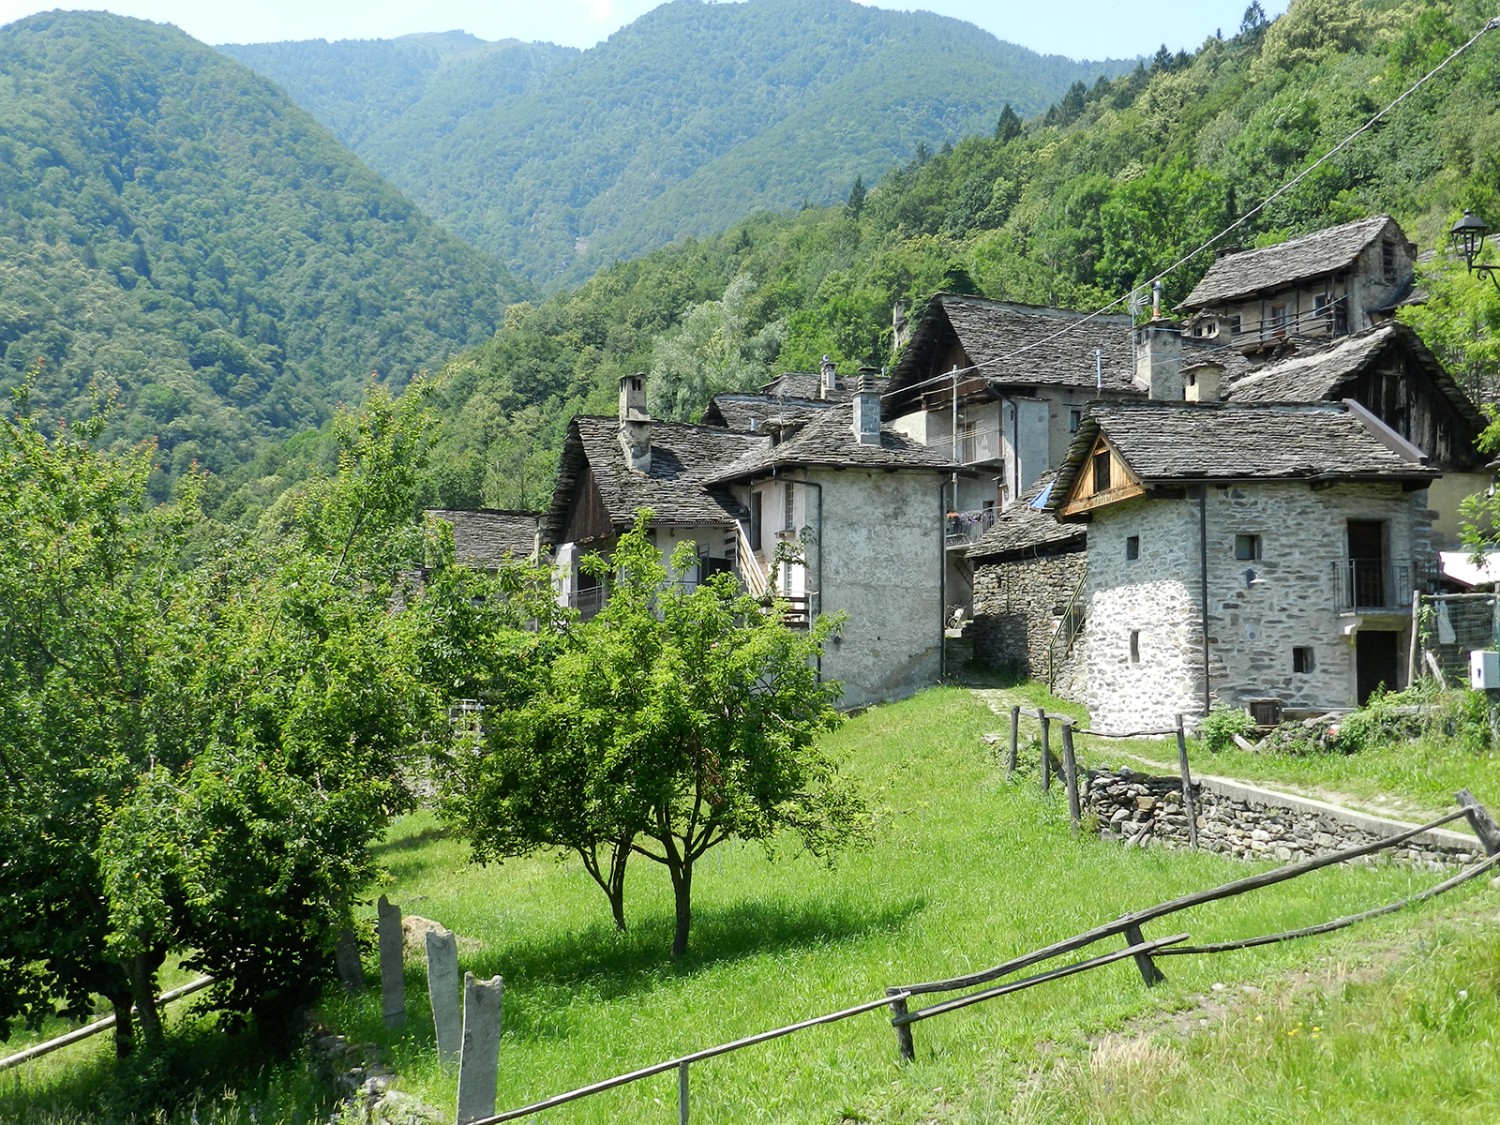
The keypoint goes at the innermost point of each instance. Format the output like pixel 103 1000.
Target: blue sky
pixel 1077 28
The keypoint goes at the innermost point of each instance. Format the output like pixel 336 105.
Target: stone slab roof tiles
pixel 1028 528
pixel 827 439
pixel 486 537
pixel 1325 374
pixel 745 411
pixel 1176 443
pixel 1019 345
pixel 799 384
pixel 677 490
pixel 1273 267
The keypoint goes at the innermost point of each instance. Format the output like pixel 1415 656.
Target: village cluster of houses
pixel 1231 507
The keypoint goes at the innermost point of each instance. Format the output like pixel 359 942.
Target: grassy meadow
pixel 964 871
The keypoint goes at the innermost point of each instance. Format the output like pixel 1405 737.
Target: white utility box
pixel 1484 670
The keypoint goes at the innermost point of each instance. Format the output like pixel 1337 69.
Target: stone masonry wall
pixel 1017 606
pixel 1245 823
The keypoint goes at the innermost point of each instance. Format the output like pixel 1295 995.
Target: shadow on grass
pixel 606 965
pixel 416 840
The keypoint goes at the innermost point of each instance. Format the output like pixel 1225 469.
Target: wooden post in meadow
pixel 1143 961
pixel 1015 741
pixel 392 963
pixel 1041 714
pixel 1187 784
pixel 1070 776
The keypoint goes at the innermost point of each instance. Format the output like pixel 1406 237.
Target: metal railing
pixel 1372 584
pixel 964 528
pixel 1068 628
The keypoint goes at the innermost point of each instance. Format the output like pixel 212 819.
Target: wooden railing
pixel 752 574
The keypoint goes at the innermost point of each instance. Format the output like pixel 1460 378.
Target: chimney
pixel 830 378
pixel 1158 359
pixel 867 409
pixel 1201 383
pixel 635 422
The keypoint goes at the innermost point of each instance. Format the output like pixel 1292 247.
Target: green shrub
pixel 1219 726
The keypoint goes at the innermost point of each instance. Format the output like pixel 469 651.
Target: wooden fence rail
pixel 1143 952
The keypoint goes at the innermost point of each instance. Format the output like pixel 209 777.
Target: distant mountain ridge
pixel 171 222
pixel 680 124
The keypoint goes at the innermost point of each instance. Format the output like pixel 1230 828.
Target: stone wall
pixel 1017 606
pixel 1251 823
pixel 1259 609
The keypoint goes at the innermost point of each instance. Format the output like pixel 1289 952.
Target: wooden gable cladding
pixel 1105 478
pixel 587 518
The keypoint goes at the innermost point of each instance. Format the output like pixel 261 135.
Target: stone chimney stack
pixel 635 422
pixel 867 409
pixel 1158 359
pixel 830 376
pixel 1201 384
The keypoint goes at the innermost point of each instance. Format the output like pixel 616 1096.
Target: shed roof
pixel 486 537
pixel 1272 267
pixel 1017 345
pixel 826 438
pixel 1028 528
pixel 1179 443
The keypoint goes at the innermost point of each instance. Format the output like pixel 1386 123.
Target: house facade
pixel 1259 556
pixel 1331 283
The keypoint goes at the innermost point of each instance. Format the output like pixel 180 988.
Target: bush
pixel 1219 726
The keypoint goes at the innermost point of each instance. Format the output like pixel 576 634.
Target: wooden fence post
pixel 1041 714
pixel 1149 972
pixel 1015 741
pixel 1187 784
pixel 903 1030
pixel 1481 821
pixel 1070 776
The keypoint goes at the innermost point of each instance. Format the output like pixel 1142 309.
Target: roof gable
pixel 826 438
pixel 1105 477
pixel 1273 267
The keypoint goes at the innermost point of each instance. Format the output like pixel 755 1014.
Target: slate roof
pixel 485 537
pixel 1324 375
pixel 827 439
pixel 1028 528
pixel 1017 345
pixel 744 411
pixel 683 458
pixel 1274 267
pixel 799 384
pixel 1173 443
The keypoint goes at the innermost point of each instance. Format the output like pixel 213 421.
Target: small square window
pixel 1302 658
pixel 1135 646
pixel 1075 419
pixel 1247 547
pixel 1235 325
pixel 1132 547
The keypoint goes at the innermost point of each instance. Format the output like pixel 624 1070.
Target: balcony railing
pixel 965 528
pixel 1371 584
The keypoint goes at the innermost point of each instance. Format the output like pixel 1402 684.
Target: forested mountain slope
pixel 682 123
pixel 171 223
pixel 1076 207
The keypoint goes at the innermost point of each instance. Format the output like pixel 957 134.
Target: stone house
pixel 840 513
pixel 1331 283
pixel 1000 388
pixel 485 538
pixel 1252 555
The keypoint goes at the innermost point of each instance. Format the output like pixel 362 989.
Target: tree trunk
pixel 616 888
pixel 141 970
pixel 124 1025
pixel 682 890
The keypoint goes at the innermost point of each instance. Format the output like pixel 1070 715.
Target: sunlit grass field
pixel 964 871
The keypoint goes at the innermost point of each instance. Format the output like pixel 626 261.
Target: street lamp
pixel 1467 237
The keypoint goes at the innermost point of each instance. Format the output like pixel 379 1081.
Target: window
pixel 1278 320
pixel 1075 419
pixel 1247 547
pixel 756 505
pixel 1320 311
pixel 1388 260
pixel 968 442
pixel 1302 659
pixel 1101 471
pixel 1132 548
pixel 1235 326
pixel 789 506
pixel 1135 646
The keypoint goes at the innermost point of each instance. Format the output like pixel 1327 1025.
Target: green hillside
pixel 173 225
pixel 1113 183
pixel 680 124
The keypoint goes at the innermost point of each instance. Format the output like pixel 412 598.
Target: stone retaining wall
pixel 1251 823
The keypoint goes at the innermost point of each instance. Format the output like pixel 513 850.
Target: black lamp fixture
pixel 1467 237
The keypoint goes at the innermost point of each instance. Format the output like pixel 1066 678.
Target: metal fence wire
pixel 1450 626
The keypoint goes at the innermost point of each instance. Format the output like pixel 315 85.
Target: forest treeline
pixel 1075 207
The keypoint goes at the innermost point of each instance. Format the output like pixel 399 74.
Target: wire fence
pixel 1449 627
